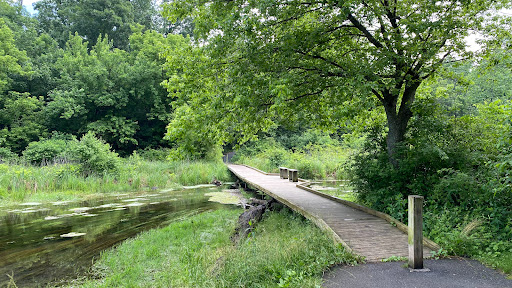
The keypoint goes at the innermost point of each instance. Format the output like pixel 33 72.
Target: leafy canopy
pixel 328 59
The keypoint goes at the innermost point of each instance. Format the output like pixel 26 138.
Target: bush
pixel 313 161
pixel 153 154
pixel 457 169
pixel 92 154
pixel 6 155
pixel 45 150
pixel 301 140
pixel 95 155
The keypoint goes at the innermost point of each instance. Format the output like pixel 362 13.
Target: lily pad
pixel 30 204
pixel 72 234
pixel 135 204
pixel 108 205
pixel 199 186
pixel 80 209
pixel 29 211
pixel 135 200
pixel 88 215
pixel 60 203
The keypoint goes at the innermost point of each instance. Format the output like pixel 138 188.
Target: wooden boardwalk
pixel 363 233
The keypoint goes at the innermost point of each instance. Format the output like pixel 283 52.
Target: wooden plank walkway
pixel 364 234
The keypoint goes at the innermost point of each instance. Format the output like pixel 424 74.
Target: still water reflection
pixel 49 243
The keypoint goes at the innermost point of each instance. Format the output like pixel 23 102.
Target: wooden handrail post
pixel 283 172
pixel 293 175
pixel 415 232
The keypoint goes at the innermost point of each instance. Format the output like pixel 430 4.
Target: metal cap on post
pixel 415 232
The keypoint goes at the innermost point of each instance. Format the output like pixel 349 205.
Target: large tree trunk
pixel 398 120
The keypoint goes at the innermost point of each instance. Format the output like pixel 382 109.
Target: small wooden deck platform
pixel 363 233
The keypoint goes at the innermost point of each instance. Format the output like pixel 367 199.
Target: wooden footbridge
pixel 364 231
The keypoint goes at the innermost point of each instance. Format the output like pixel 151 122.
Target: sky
pixel 28 5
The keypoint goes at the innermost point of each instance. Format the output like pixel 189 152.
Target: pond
pixel 54 242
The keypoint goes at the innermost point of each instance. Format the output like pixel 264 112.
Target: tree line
pixel 80 66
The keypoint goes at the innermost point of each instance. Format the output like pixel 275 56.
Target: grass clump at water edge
pixel 283 251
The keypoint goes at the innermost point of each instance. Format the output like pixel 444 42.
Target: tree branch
pixel 363 29
pixel 309 94
pixel 320 58
pixel 376 93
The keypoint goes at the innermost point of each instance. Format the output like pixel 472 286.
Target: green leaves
pixel 272 62
pixel 11 59
pixel 115 93
pixel 92 18
pixel 21 120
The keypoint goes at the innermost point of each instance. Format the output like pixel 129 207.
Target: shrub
pixel 153 154
pixel 308 137
pixel 45 150
pixel 312 160
pixel 6 155
pixel 463 177
pixel 95 155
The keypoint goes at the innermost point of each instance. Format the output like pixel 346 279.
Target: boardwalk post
pixel 415 232
pixel 293 175
pixel 283 172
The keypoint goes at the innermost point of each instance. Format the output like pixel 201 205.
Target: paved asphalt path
pixel 444 273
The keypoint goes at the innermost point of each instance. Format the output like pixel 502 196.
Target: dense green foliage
pixel 402 106
pixel 283 251
pixel 267 62
pixel 92 18
pixel 84 66
pixel 457 157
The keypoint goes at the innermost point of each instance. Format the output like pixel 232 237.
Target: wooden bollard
pixel 293 175
pixel 415 232
pixel 283 172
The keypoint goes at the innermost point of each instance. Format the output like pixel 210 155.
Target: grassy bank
pixel 283 251
pixel 22 182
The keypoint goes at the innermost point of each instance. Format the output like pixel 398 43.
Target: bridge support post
pixel 415 232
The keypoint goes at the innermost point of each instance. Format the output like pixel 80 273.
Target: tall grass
pixel 199 172
pixel 284 251
pixel 20 182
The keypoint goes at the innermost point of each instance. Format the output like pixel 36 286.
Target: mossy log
pixel 248 219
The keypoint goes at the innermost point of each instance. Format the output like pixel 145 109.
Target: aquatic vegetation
pixel 225 197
